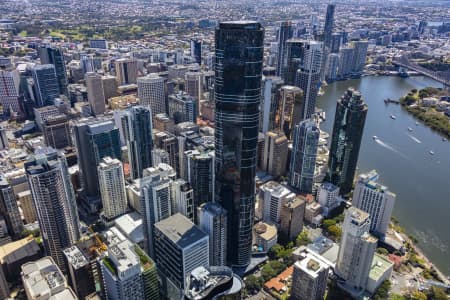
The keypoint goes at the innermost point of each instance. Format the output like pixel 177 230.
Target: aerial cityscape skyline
pixel 224 149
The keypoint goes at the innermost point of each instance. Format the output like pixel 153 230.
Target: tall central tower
pixel 238 70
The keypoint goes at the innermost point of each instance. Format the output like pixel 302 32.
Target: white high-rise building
pixel 96 97
pixel 182 196
pixel 309 280
pixel 308 76
pixel 272 196
pixel 55 203
pixel 275 153
pixel 121 271
pixel 212 219
pixel 328 197
pixel 156 203
pixel 376 200
pixel 151 92
pixel 356 252
pixel 9 90
pixel 112 187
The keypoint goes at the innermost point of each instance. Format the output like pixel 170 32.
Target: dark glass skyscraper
pixel 295 49
pixel 54 56
pixel 136 125
pixel 329 24
pixel 239 55
pixel 303 157
pixel 351 111
pixel 94 139
pixel 285 32
pixel 196 50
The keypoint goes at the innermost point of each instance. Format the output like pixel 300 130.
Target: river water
pixel 403 160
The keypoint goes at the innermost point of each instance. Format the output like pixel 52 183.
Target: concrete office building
pixel 356 251
pixel 309 280
pixel 328 197
pixel 289 109
pixel 98 43
pixel 180 248
pixel 96 97
pixel 269 100
pixel 212 219
pixel 27 206
pixel 182 198
pixel 151 92
pixel 275 153
pixel 43 279
pixel 10 91
pixel 126 71
pixel 9 208
pixel 292 213
pixel 272 196
pixel 376 200
pixel 193 86
pixel 79 272
pixel 112 187
pixel 182 108
pixel 128 273
pixel 56 130
pixel 55 203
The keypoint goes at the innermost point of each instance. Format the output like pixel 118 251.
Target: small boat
pixel 393 117
pixel 375 137
pixel 417 123
pixel 444 139
pixel 410 129
pixel 431 152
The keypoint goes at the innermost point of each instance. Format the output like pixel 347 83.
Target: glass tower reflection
pixel 238 70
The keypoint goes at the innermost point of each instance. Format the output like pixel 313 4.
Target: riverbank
pixel 427 105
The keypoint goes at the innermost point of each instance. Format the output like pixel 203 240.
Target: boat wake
pixel 415 139
pixel 389 147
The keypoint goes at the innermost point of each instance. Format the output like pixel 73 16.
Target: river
pixel 420 180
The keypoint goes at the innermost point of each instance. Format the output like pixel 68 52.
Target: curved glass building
pixel 238 71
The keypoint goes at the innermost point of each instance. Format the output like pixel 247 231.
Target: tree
pixel 416 295
pixel 328 223
pixel 397 297
pixel 382 291
pixel 382 251
pixel 436 294
pixel 253 283
pixel 335 231
pixel 302 239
